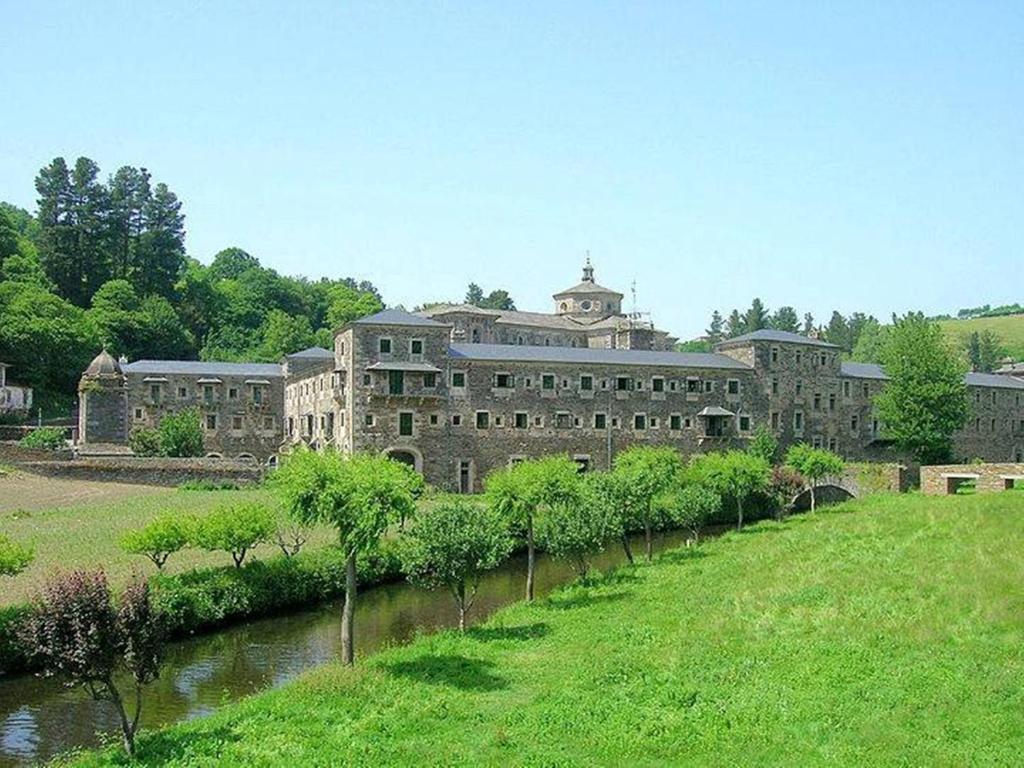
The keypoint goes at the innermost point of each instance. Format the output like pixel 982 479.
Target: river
pixel 41 718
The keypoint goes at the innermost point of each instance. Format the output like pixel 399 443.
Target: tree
pixel 348 304
pixel 474 294
pixel 783 488
pixel 526 491
pixel 450 545
pixel 989 351
pixel 158 539
pixel 870 340
pixel 144 441
pixel 577 528
pixel 808 328
pixel 290 534
pixel 838 331
pixel 181 434
pixel 645 472
pixel 360 495
pixel 283 334
pixel 925 400
pixel 813 464
pixel 973 346
pixel 756 317
pixel 76 631
pixel 764 444
pixel 8 237
pixel 235 528
pixel 690 507
pixel 733 475
pixel 14 557
pixel 498 299
pixel 716 330
pixel 734 325
pixel 785 319
pixel 161 249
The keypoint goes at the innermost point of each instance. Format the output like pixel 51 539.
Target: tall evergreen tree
pixel 756 317
pixel 716 330
pixel 785 319
pixel 161 254
pixel 838 331
pixel 734 326
pixel 974 351
pixel 57 240
pixel 989 351
pixel 130 193
pixel 91 212
pixel 808 328
pixel 474 294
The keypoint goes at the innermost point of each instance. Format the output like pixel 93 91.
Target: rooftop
pixel 593 356
pixel 863 370
pixel 398 317
pixel 202 368
pixel 874 371
pixel 784 337
pixel 314 353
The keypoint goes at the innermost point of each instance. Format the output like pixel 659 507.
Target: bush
pixel 181 434
pixel 784 486
pixel 158 540
pixel 209 485
pixel 12 651
pixel 210 597
pixel 49 438
pixel 814 464
pixel 235 529
pixel 575 530
pixel 144 441
pixel 14 558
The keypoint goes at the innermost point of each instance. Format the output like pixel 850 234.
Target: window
pixel 744 423
pixel 993 425
pixel 257 395
pixel 867 390
pixel 854 422
pixel 139 413
pixel 456 420
pixel 499 421
pixel 816 441
pixel 384 346
pixel 709 386
pixel 733 386
pixel 396 382
pixel 154 391
pixel 846 389
pixel 621 383
pixel 600 421
pixel 268 422
pixel 483 419
pixel 368 420
pixel 521 420
pixel 824 359
pixel 798 421
pixel 654 422
pixel 211 421
pixel 799 387
pixel 799 357
pixel 775 386
pixel 538 421
pixel 366 379
pixel 458 379
pixel 693 386
pixel 405 423
pixel 675 422
pixel 775 354
pixel 433 419
pixel 429 380
pixel 817 401
pixel 831 402
pixel 236 423
pixel 208 393
pixel 563 421
pixel 775 421
pixel 182 391
pixel 547 381
pixel 232 393
pixel 639 421
pixel 504 381
pixel 309 424
pixel 833 444
pixel 687 423
pixel 415 346
pixel 657 384
pixel 586 383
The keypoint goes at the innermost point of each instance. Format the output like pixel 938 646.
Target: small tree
pixel 784 486
pixel 236 529
pixel 144 441
pixel 157 540
pixel 14 557
pixel 181 434
pixel 290 534
pixel 644 473
pixel 734 475
pixel 360 495
pixel 578 528
pixel 925 400
pixel 691 507
pixel 764 444
pixel 450 545
pixel 76 631
pixel 814 464
pixel 522 493
pixel 609 488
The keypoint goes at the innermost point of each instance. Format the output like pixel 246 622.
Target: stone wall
pixel 942 479
pixel 148 471
pixel 995 427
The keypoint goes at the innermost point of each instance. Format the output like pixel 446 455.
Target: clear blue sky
pixel 867 156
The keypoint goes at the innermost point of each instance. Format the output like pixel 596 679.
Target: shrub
pixel 14 557
pixel 290 534
pixel 77 632
pixel 158 540
pixel 181 434
pixel 692 506
pixel 235 529
pixel 784 486
pixel 734 475
pixel 576 529
pixel 144 441
pixel 814 464
pixel 12 650
pixel 764 444
pixel 49 438
pixel 209 485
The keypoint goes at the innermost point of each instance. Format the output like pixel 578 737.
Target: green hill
pixel 1009 329
pixel 886 631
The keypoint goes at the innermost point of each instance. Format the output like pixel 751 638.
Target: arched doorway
pixel 406 455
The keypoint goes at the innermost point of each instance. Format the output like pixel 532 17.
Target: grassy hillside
pixel 885 631
pixel 1009 329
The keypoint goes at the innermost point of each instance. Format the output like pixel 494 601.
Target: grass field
pixel 1009 329
pixel 85 528
pixel 887 631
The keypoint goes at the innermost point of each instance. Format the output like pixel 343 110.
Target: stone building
pixel 457 392
pixel 240 404
pixel 14 399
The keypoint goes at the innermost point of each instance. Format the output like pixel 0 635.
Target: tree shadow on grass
pixel 453 670
pixel 162 747
pixel 683 555
pixel 521 633
pixel 583 599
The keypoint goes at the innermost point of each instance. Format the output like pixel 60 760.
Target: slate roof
pixel 873 371
pixel 767 334
pixel 103 365
pixel 397 365
pixel 589 356
pixel 587 286
pixel 398 317
pixel 863 371
pixel 201 368
pixel 314 353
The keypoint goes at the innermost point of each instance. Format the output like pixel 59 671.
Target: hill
pixel 881 632
pixel 1009 329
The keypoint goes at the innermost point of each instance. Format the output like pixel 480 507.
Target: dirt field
pixel 22 491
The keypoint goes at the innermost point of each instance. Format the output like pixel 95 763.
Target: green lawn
pixel 887 631
pixel 1009 329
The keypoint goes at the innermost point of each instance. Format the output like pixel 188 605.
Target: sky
pixel 861 157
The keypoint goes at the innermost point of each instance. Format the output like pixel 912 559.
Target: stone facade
pixel 940 480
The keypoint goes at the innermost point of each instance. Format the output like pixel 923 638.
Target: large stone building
pixel 458 394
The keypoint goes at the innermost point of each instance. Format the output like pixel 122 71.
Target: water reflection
pixel 40 718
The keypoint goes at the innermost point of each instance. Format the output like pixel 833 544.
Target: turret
pixel 103 402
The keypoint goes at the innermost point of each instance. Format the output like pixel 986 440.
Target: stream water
pixel 40 718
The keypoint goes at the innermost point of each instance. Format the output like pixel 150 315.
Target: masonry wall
pixel 995 427
pixel 989 477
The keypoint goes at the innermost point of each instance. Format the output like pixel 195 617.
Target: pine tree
pixel 989 352
pixel 838 332
pixel 756 317
pixel 91 212
pixel 734 325
pixel 474 295
pixel 715 330
pixel 808 328
pixel 161 255
pixel 974 351
pixel 785 319
pixel 129 194
pixel 57 235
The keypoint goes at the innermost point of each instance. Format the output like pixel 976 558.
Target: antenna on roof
pixel 636 314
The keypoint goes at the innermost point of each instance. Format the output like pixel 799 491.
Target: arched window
pixel 476 336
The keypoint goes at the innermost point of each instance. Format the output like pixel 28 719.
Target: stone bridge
pixel 856 480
